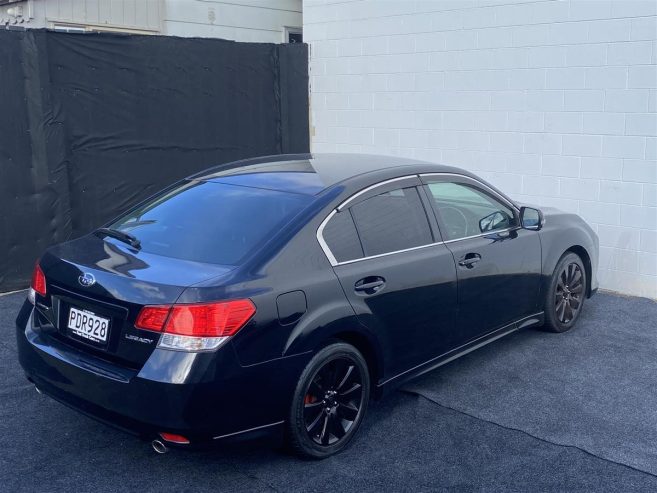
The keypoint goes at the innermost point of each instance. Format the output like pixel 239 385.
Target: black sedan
pixel 283 293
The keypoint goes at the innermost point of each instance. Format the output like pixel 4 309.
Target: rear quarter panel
pixel 295 263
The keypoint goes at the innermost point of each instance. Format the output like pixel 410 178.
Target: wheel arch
pixel 337 322
pixel 368 349
pixel 569 234
pixel 581 252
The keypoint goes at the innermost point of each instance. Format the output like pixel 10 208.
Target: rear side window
pixel 211 222
pixel 341 237
pixel 392 221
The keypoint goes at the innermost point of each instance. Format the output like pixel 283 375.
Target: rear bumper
pixel 203 396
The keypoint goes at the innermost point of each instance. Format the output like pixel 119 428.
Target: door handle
pixel 469 260
pixel 369 285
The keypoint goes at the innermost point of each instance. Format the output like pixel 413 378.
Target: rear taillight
pixel 222 319
pixel 38 284
pixel 196 327
pixel 152 317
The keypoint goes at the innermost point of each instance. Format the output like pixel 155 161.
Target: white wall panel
pixel 262 21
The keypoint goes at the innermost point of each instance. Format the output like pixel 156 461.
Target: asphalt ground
pixel 532 412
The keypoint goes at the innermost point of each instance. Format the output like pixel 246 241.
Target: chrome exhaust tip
pixel 159 447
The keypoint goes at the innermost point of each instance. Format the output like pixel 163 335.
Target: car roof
pixel 311 174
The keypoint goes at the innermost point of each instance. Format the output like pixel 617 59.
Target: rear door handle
pixel 469 260
pixel 369 285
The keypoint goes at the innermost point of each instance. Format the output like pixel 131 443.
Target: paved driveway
pixel 533 412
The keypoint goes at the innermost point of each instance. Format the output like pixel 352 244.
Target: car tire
pixel 566 294
pixel 329 402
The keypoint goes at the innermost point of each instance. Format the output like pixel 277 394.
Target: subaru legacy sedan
pixel 282 294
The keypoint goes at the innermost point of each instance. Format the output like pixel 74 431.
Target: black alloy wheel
pixel 330 401
pixel 569 293
pixel 333 401
pixel 566 294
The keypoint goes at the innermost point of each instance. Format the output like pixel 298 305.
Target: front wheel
pixel 565 297
pixel 329 402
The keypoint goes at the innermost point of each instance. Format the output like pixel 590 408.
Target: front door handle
pixel 469 260
pixel 369 285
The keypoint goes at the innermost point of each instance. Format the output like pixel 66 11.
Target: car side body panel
pixel 414 313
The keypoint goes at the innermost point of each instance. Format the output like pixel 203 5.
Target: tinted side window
pixel 464 210
pixel 392 221
pixel 341 237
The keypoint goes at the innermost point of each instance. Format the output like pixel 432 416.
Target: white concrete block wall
pixel 553 101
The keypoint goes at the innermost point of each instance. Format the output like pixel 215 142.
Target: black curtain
pixel 92 123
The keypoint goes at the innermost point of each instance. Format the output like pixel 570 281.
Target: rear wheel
pixel 566 295
pixel 329 402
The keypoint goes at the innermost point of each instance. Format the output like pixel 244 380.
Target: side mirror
pixel 531 218
pixel 493 221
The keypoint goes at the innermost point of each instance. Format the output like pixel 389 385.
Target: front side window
pixel 391 221
pixel 463 210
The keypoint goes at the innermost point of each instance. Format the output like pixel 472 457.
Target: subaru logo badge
pixel 87 280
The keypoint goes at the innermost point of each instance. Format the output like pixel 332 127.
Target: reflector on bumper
pixel 190 343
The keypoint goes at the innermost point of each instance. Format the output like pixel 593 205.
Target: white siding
pixel 244 20
pixel 238 20
pixel 130 15
pixel 553 101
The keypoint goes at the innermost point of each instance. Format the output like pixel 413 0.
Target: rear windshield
pixel 210 222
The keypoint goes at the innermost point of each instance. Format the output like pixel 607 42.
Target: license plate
pixel 88 325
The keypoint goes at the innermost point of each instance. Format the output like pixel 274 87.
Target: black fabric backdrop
pixel 92 123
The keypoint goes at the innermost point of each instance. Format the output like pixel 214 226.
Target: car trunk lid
pixel 96 288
